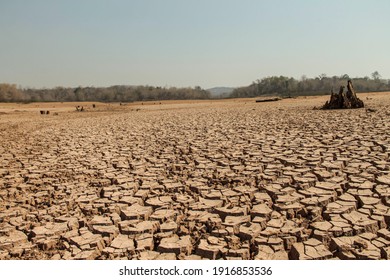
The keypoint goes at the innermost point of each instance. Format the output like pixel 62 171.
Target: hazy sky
pixel 46 43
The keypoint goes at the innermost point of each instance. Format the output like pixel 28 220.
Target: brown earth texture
pixel 228 179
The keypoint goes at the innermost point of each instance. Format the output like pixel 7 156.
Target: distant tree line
pixel 281 86
pixel 11 93
pixel 286 86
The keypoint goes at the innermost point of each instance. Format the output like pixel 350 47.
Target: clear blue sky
pixel 46 43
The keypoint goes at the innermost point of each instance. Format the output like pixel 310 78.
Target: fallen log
pixel 268 100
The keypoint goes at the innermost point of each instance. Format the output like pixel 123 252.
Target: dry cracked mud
pixel 196 180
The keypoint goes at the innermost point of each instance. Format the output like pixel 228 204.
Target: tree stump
pixel 342 100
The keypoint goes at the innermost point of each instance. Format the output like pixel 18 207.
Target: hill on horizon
pixel 220 91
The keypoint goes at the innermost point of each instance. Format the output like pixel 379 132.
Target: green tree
pixel 376 76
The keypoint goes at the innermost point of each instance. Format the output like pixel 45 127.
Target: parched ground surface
pixel 195 180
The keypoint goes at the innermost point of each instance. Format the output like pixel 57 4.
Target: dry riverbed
pixel 231 179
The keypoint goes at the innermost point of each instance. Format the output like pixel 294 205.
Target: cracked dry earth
pixel 203 180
